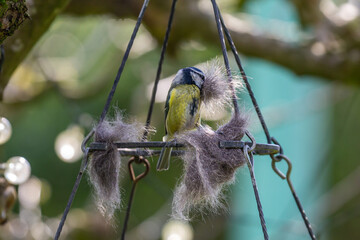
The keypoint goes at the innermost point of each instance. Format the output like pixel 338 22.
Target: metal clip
pixel 247 150
pixel 86 140
pixel 251 137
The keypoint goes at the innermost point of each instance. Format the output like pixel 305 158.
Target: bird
pixel 182 108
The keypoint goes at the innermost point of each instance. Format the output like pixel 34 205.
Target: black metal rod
pixel 260 149
pixel 148 153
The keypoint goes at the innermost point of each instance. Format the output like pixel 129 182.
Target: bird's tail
pixel 164 159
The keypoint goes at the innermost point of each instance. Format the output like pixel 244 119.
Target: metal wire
pixel 224 52
pixel 135 180
pixel 158 73
pixel 124 60
pixel 250 162
pixel 72 195
pixel 128 209
pixel 245 79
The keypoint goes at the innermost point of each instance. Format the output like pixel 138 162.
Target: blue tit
pixel 182 108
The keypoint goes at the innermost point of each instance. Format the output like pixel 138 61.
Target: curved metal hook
pixel 143 160
pixel 278 158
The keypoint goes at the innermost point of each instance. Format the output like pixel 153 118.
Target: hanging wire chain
pixel 265 128
pixel 135 180
pixel 104 112
pixel 158 73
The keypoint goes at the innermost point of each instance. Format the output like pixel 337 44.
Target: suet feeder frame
pixel 248 148
pixel 260 149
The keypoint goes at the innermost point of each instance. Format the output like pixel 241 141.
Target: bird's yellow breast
pixel 184 109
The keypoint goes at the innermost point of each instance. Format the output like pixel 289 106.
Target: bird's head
pixel 189 75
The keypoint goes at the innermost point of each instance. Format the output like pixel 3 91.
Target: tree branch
pixel 191 22
pixel 299 59
pixel 12 14
pixel 17 46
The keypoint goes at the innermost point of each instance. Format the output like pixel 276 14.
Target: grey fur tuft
pixel 105 166
pixel 216 90
pixel 207 167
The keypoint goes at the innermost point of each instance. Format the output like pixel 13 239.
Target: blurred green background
pixel 60 88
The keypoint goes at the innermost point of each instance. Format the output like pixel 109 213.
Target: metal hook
pixel 140 159
pixel 248 156
pixel 278 158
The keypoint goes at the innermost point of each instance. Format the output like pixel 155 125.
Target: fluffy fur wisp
pixel 216 90
pixel 208 167
pixel 104 168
